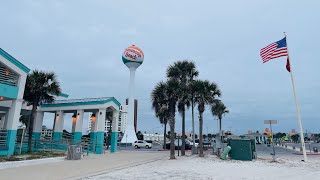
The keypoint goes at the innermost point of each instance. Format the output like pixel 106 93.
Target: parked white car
pixel 196 143
pixel 142 144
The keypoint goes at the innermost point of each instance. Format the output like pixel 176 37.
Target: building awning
pixel 14 61
pixel 81 102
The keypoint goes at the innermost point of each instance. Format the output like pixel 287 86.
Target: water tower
pixel 132 57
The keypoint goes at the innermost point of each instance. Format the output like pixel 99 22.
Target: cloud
pixel 83 43
pixel 129 31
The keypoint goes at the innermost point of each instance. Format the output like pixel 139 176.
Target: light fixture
pixel 74 118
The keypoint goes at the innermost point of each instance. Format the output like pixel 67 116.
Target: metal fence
pixel 3 139
pixel 50 145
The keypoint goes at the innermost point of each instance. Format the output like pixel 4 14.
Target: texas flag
pixel 288 64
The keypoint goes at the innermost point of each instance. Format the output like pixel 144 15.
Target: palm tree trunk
pixel 164 134
pixel 193 136
pixel 200 135
pixel 172 138
pixel 30 127
pixel 183 148
pixel 221 135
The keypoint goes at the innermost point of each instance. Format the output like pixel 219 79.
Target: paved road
pixel 155 147
pixel 91 165
pixel 308 145
pixel 265 150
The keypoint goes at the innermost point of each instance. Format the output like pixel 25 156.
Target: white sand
pixel 212 168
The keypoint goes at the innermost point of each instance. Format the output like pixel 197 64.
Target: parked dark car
pixel 187 146
pixel 148 141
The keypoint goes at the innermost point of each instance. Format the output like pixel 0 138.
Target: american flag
pixel 274 50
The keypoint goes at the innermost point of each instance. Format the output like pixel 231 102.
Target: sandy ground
pixel 213 168
pixel 156 165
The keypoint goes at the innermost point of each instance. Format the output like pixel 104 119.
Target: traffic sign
pixel 270 121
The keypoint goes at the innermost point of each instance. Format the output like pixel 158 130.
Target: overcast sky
pixel 82 42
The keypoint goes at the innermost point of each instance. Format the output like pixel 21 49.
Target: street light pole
pixel 274 153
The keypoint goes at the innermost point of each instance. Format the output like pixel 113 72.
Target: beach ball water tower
pixel 132 57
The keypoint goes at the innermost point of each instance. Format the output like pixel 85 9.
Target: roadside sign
pixel 270 121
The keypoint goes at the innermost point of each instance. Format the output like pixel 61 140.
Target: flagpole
pixel 297 107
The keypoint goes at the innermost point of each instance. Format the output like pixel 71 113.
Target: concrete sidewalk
pixel 88 166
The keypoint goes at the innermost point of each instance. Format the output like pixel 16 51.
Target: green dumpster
pixel 242 149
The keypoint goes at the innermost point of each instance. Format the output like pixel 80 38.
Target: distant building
pixel 123 116
pixel 153 137
pixel 187 134
pixel 106 124
pixel 122 123
pixel 46 133
pixel 293 132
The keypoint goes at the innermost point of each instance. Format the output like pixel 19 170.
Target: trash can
pixel 315 149
pixel 242 149
pixel 74 152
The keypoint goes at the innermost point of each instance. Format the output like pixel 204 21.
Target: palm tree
pixel 168 97
pixel 172 93
pixel 160 106
pixel 218 109
pixel 40 88
pixel 184 72
pixel 24 119
pixel 205 93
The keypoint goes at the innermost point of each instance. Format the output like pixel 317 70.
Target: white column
pixel 37 125
pixel 100 126
pixel 14 115
pixel 58 126
pixel 77 126
pixel 93 131
pixel 15 109
pixel 114 134
pixel 115 121
pixel 59 121
pixel 93 122
pixel 100 120
pixel 79 122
